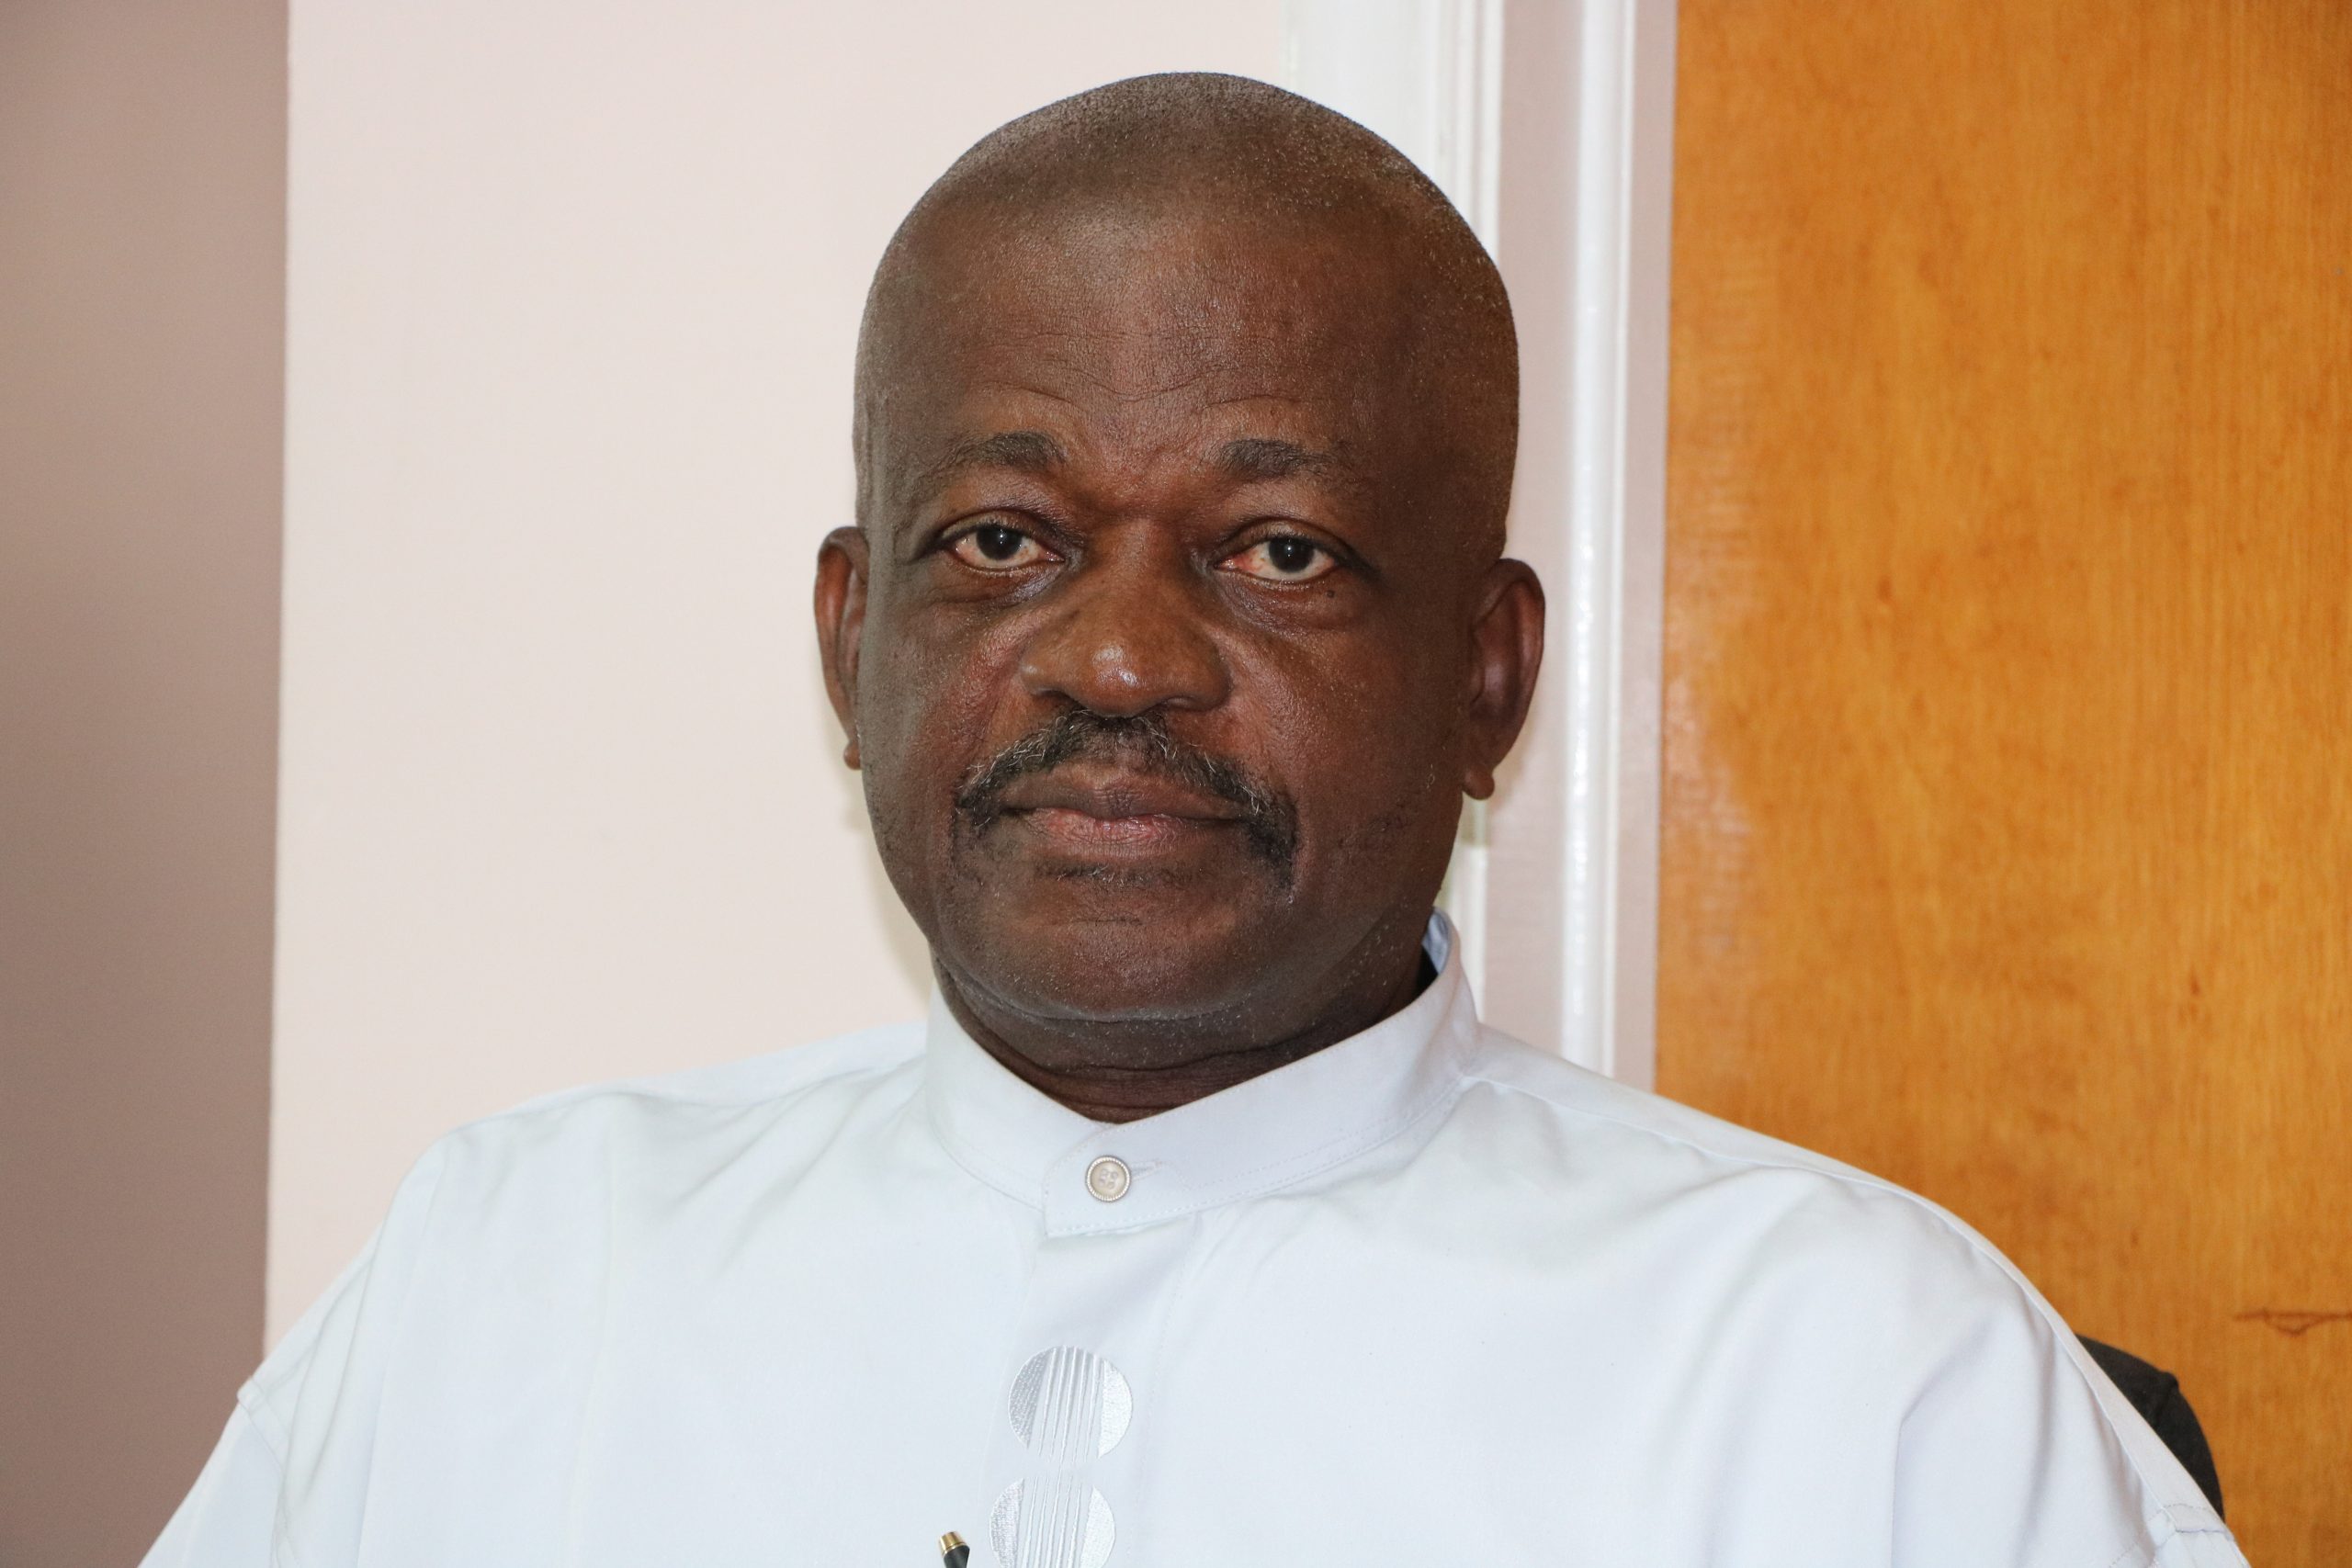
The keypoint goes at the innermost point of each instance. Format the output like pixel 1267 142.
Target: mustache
pixel 1268 818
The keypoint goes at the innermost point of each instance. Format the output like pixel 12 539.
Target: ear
pixel 1506 651
pixel 840 625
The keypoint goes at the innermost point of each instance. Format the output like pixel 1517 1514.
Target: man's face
pixel 1164 678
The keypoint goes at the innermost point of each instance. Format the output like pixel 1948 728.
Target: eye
pixel 1286 558
pixel 997 546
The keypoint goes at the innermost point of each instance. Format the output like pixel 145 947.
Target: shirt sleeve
pixel 224 1522
pixel 2016 1449
pixel 225 1517
pixel 285 1437
pixel 2200 1542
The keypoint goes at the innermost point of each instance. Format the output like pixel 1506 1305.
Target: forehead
pixel 1125 336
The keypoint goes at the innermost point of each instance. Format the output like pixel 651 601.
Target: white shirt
pixel 1426 1297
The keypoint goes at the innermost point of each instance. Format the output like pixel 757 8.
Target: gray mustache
pixel 1269 820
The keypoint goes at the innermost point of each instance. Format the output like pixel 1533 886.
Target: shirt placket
pixel 1077 1414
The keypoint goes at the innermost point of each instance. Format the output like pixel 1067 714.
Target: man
pixel 1201 1222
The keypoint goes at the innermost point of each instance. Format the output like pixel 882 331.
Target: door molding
pixel 1569 184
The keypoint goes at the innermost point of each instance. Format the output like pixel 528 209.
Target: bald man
pixel 1201 1222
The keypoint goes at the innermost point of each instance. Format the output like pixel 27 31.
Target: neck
pixel 1120 1071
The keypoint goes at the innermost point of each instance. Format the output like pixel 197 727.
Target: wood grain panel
pixel 2007 838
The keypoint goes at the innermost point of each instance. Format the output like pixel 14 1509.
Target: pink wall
pixel 573 293
pixel 142 189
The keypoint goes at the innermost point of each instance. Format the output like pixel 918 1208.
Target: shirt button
pixel 1108 1178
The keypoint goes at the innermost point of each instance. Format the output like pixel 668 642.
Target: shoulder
pixel 526 1194
pixel 1799 1222
pixel 677 1114
pixel 1649 1143
pixel 843 1060
pixel 1823 1256
pixel 542 1170
pixel 1834 1266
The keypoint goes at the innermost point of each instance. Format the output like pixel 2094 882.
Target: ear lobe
pixel 1506 652
pixel 842 563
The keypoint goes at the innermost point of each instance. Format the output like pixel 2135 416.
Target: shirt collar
pixel 1275 1130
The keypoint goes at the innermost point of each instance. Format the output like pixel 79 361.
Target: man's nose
pixel 1125 636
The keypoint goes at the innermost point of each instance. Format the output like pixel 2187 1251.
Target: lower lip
pixel 1147 834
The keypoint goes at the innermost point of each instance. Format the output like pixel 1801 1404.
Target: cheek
pixel 927 695
pixel 1367 745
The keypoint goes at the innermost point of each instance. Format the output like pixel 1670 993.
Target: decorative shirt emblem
pixel 1070 1407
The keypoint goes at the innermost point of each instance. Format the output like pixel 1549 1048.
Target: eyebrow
pixel 1265 457
pixel 1023 451
pixel 1247 459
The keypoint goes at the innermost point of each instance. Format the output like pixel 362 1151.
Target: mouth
pixel 1095 798
pixel 1114 812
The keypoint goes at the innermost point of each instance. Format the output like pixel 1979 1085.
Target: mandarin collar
pixel 1271 1132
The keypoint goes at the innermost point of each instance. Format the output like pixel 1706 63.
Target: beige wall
pixel 142 180
pixel 572 294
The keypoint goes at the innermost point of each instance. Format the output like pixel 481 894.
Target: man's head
pixel 1175 625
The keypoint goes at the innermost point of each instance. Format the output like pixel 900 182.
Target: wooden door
pixel 2007 815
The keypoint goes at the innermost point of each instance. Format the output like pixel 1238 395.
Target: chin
pixel 1108 954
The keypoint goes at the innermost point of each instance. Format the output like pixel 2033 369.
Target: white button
pixel 1107 1179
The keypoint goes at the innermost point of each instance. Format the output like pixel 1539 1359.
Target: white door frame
pixel 1555 890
